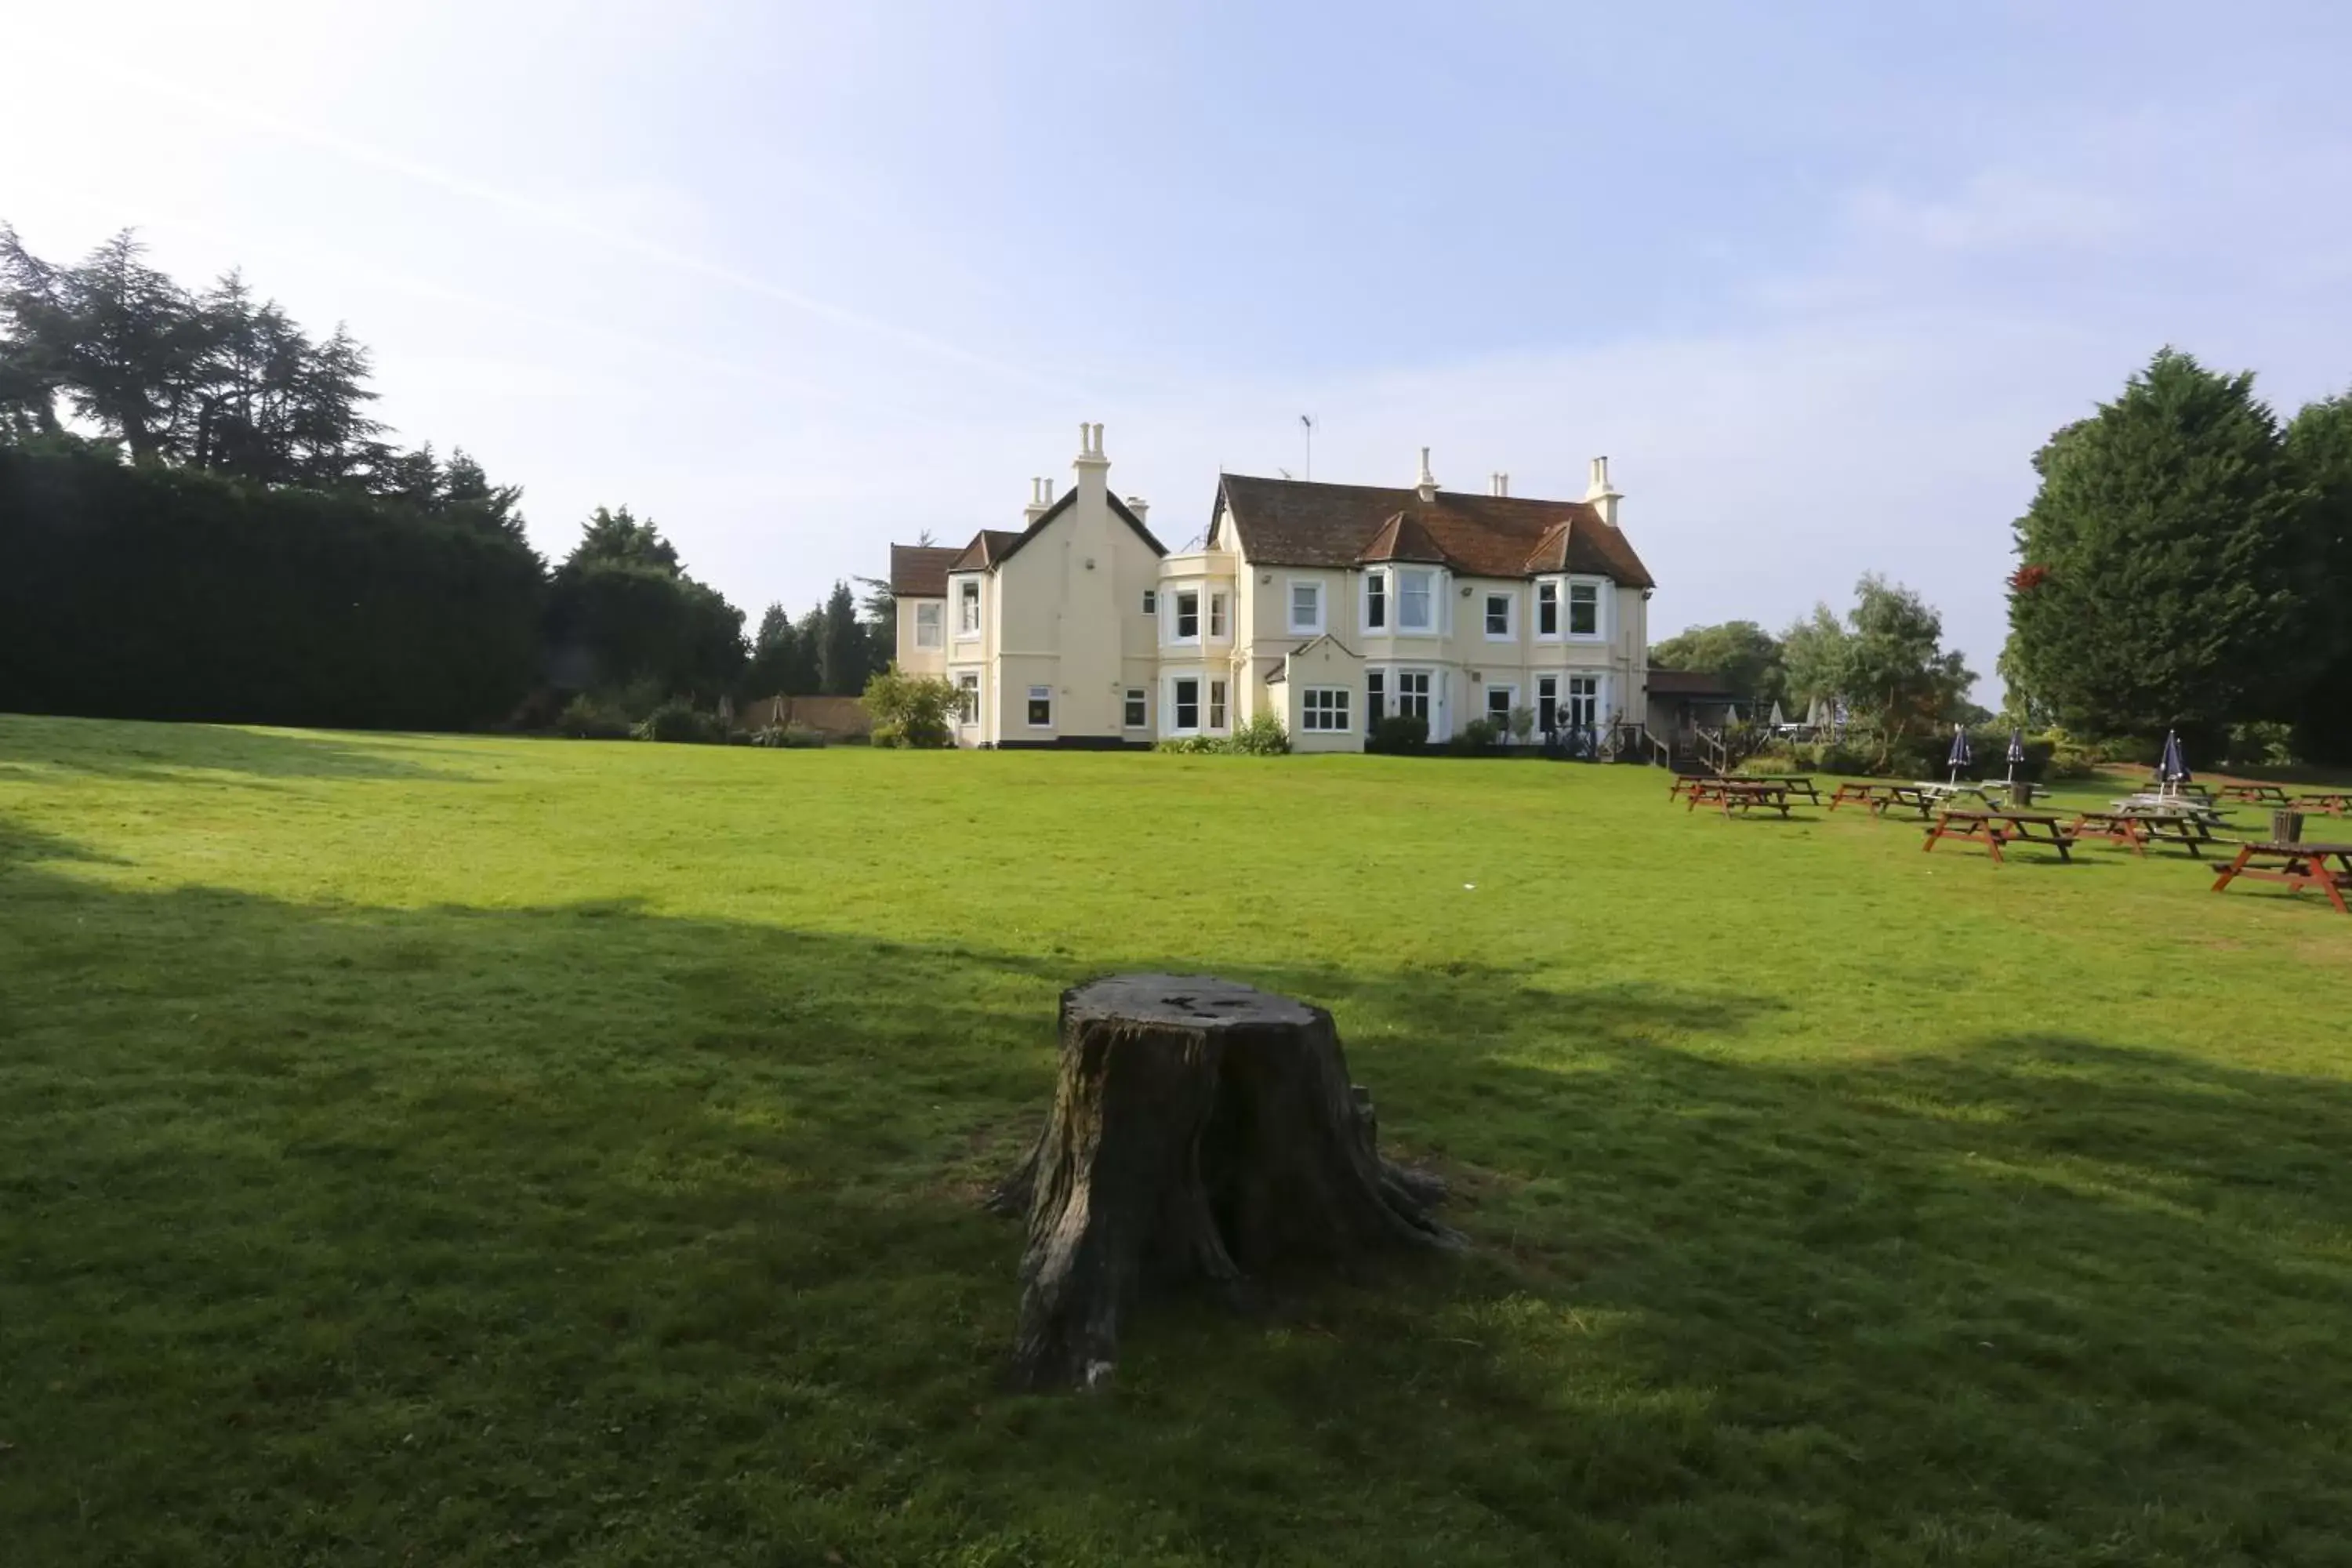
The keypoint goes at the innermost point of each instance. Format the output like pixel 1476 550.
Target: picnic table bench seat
pixel 2327 867
pixel 2324 803
pixel 1740 794
pixel 2256 793
pixel 2135 827
pixel 1994 828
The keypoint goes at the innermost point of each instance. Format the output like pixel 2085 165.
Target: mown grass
pixel 468 1151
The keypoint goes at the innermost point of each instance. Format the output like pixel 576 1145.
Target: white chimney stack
pixel 1601 494
pixel 1501 483
pixel 1041 498
pixel 1139 507
pixel 1427 483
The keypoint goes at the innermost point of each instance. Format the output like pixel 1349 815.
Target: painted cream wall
pixel 1322 663
pixel 917 660
pixel 1067 614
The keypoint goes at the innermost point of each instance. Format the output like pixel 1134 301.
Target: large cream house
pixel 1326 606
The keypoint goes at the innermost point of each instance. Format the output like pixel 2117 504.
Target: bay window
pixel 1186 705
pixel 1216 705
pixel 1416 600
pixel 1547 609
pixel 1376 601
pixel 1188 617
pixel 1583 609
pixel 967 608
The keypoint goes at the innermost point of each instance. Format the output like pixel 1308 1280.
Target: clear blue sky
pixel 797 279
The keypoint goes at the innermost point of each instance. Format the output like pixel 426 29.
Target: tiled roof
pixel 920 571
pixel 992 547
pixel 1688 683
pixel 1293 522
pixel 988 547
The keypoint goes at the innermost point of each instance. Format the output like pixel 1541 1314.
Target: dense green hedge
pixel 139 590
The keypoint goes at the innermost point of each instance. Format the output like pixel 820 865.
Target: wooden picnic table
pixel 1796 784
pixel 1743 795
pixel 2134 827
pixel 1921 798
pixel 1994 828
pixel 2255 794
pixel 2299 866
pixel 2326 803
pixel 1868 795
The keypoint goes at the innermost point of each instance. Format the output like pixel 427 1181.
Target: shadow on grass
pixel 589 1233
pixel 170 754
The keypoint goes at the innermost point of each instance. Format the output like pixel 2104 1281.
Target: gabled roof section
pixel 987 550
pixel 920 571
pixel 992 547
pixel 1402 538
pixel 1281 670
pixel 1293 522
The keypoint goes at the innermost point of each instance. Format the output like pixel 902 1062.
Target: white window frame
pixel 1041 694
pixel 1568 699
pixel 1334 713
pixel 1176 616
pixel 1221 625
pixel 931 617
pixel 1220 698
pixel 1376 589
pixel 1510 700
pixel 1553 587
pixel 1290 588
pixel 1375 708
pixel 1135 700
pixel 1600 632
pixel 1544 726
pixel 1175 711
pixel 1399 675
pixel 967 697
pixel 967 609
pixel 1433 597
pixel 1486 597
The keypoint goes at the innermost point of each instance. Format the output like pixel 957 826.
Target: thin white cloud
pixel 560 218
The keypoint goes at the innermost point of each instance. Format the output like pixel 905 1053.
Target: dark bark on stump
pixel 1201 1132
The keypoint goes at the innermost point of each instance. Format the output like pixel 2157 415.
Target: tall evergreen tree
pixel 2319 454
pixel 2161 564
pixel 843 657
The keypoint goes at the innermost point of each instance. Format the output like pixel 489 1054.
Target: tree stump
pixel 1201 1132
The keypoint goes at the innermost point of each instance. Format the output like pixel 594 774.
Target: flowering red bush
pixel 2026 578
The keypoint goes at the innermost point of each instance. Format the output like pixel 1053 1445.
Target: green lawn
pixel 453 1150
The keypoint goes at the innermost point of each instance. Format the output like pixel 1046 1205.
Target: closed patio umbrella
pixel 1961 756
pixel 2172 771
pixel 2016 752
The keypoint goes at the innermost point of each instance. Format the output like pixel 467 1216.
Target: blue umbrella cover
pixel 2174 768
